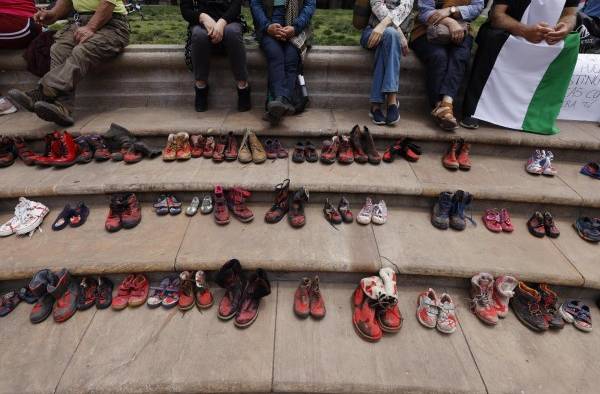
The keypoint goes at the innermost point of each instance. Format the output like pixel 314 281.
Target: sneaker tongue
pixel 484 284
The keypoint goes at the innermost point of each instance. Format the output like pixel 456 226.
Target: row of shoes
pixel 308 299
pixel 457 156
pixel 437 312
pixel 541 224
pixel 184 291
pixel 28 216
pixel 449 210
pixel 403 147
pixel 588 228
pixel 358 147
pixel 375 306
pixel 124 212
pixel 71 216
pixel 540 163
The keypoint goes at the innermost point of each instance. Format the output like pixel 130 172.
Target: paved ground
pixel 144 350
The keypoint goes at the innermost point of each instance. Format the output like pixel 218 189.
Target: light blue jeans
pixel 386 70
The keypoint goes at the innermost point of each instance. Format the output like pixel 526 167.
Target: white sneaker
pixel 547 168
pixel 446 321
pixel 30 216
pixel 535 163
pixel 6 107
pixel 380 213
pixel 10 227
pixel 366 212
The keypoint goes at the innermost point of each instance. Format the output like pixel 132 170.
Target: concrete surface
pixel 142 350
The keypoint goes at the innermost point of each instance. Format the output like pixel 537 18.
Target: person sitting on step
pixel 99 31
pixel 282 29
pixel 17 27
pixel 445 58
pixel 215 25
pixel 384 35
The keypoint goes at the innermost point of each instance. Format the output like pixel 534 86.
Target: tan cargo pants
pixel 70 62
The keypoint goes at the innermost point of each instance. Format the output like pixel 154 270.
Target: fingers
pixel 373 40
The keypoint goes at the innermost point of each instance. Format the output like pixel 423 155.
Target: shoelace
pixel 367 208
pixel 482 299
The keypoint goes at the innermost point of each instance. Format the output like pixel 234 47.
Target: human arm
pixel 533 33
pixel 61 9
pixel 565 25
pixel 396 15
pixel 304 16
pixel 261 21
pixel 457 32
pixel 191 15
pixel 465 13
pixel 103 14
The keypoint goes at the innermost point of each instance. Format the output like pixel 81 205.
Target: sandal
pixel 79 215
pixel 8 302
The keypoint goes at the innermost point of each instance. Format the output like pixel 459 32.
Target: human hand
pixel 288 32
pixel 208 22
pixel 83 33
pixel 536 33
pixel 45 17
pixel 376 34
pixel 457 32
pixel 403 43
pixel 558 34
pixel 217 33
pixel 274 30
pixel 438 15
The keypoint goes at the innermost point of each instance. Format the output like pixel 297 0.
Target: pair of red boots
pixel 403 147
pixel 234 201
pixel 375 303
pixel 458 156
pixel 125 212
pixel 308 300
pixel 61 150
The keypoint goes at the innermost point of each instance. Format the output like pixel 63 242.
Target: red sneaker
pixel 184 150
pixel 132 213
pixel 204 297
pixel 24 152
pixel 449 160
pixel 464 160
pixel 363 317
pixel 329 150
pixel 331 214
pixel 116 208
pixel 219 153
pixel 410 151
pixel 123 293
pixel 296 215
pixel 139 291
pixel 231 151
pixel 221 211
pixel 302 299
pixel 197 145
pixel 186 291
pixel 209 147
pixel 492 221
pixel 345 153
pixel 505 221
pixel 317 303
pixel 392 151
pixel 236 202
pixel 132 156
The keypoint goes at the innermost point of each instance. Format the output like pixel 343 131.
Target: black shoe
pixel 55 112
pixel 28 99
pixel 377 116
pixel 469 122
pixel 279 107
pixel 201 102
pixel 244 99
pixel 393 115
pixel 526 305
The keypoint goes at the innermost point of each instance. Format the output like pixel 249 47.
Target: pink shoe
pixel 505 221
pixel 504 287
pixel 482 304
pixel 427 308
pixel 491 220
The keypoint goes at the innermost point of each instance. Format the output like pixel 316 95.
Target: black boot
pixel 201 102
pixel 258 287
pixel 231 278
pixel 244 99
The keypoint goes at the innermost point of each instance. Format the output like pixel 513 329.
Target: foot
pixel 469 122
pixel 6 107
pixel 27 100
pixel 377 115
pixel 244 99
pixel 444 115
pixel 54 112
pixel 393 114
pixel 279 107
pixel 201 102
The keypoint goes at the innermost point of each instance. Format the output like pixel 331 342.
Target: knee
pixel 391 34
pixel 232 33
pixel 199 35
pixel 438 58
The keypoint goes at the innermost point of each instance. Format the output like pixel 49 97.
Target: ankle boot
pixel 281 204
pixel 230 277
pixel 236 202
pixel 464 159
pixel 258 287
pixel 373 156
pixel 38 286
pixel 449 160
pixel 296 215
pixel 504 287
pixel 359 153
pixel 302 299
pixel 132 213
pixel 68 151
pixel 460 202
pixel 317 302
pixel 527 308
pixel 201 101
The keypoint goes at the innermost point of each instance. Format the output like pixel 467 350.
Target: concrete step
pixel 151 351
pixel 315 122
pixel 407 241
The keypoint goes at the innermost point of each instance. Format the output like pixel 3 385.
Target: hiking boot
pixel 464 159
pixel 302 299
pixel 460 201
pixel 68 151
pixel 296 215
pixel 550 226
pixel 440 215
pixel 345 153
pixel 258 286
pixel 359 153
pixel 449 160
pixel 482 304
pixel 231 151
pixel 329 150
pixel 535 225
pixel 184 150
pixel 317 303
pixel 446 321
pixel 244 153
pixel 344 210
pixel 236 202
pixel 132 213
pixel 221 211
pixel 363 317
pixel 444 116
pixel 331 214
pixel 67 303
pixel 24 152
pixel 209 147
pixel 186 291
pixel 101 152
pixel 87 293
pixel 526 305
pixel 197 145
pixel 367 142
pixel 230 278
pixel 116 208
pixel 201 99
pixel 219 152
pixel 244 99
pixel 52 149
pixel 85 154
pixel 504 287
pixel 39 288
pixel 7 151
pixel 427 308
pixel 410 151
pixel 281 204
pixel 169 153
pixel 204 297
pixel 299 156
pixel 549 300
pixel 55 112
pixel 28 99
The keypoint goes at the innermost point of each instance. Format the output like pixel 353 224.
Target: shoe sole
pixel 185 308
pixel 222 222
pixel 9 111
pixel 468 126
pixel 129 226
pixel 245 325
pixel 225 318
pixel 43 111
pixel 276 111
pixel 566 316
pixel 201 307
pixel 118 308
pixel 537 235
pixel 464 168
pixel 451 166
pixel 301 315
pixel 393 122
pixel 382 123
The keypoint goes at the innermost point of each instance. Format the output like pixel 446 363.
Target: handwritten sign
pixel 582 101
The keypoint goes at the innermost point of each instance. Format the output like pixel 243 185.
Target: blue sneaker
pixel 393 115
pixel 377 116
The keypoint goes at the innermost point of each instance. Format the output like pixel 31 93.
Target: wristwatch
pixel 452 10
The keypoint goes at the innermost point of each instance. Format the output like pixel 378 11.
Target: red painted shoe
pixel 505 221
pixel 123 293
pixel 464 159
pixel 482 305
pixel 197 145
pixel 236 202
pixel 449 160
pixel 317 303
pixel 219 153
pixel 363 317
pixel 492 221
pixel 331 214
pixel 345 152
pixel 132 213
pixel 392 151
pixel 359 152
pixel 302 299
pixel 140 288
pixel 296 215
pixel 209 147
pixel 204 297
pixel 116 208
pixel 221 211
pixel 257 288
pixel 132 156
pixel 66 304
pixel 24 152
pixel 184 150
pixel 186 291
pixel 231 278
pixel 231 151
pixel 329 150
pixel 410 151
pixel 88 290
pixel 68 151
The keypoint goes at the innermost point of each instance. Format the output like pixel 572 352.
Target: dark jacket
pixel 229 10
pixel 262 11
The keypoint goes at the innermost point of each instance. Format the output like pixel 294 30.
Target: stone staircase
pixel 147 91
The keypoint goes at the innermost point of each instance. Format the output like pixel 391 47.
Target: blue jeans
pixel 386 71
pixel 283 61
